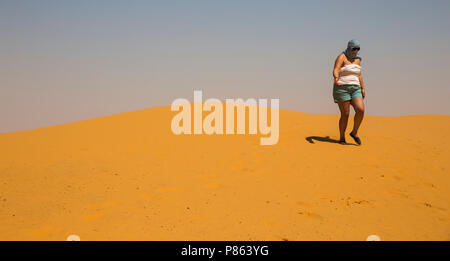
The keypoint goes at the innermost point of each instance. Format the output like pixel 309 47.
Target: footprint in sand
pixel 98 207
pixel 347 201
pixel 311 215
pixel 362 202
pixel 399 193
pixel 426 185
pixel 397 178
pixel 432 206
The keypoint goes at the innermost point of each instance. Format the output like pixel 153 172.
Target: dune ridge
pixel 128 177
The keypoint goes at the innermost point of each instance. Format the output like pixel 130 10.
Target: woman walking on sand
pixel 348 89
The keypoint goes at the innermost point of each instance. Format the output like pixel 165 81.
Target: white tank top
pixel 349 74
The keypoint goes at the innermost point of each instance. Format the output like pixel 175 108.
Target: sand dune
pixel 127 177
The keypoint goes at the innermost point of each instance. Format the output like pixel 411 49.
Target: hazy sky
pixel 64 61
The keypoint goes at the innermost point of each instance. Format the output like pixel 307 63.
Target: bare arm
pixel 361 83
pixel 337 66
pixel 360 76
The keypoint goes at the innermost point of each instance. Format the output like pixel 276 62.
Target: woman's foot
pixel 357 139
pixel 342 142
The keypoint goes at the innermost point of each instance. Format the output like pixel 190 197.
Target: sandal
pixel 357 139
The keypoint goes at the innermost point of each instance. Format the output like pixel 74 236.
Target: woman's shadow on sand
pixel 311 139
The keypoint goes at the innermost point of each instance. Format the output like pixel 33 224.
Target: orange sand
pixel 127 177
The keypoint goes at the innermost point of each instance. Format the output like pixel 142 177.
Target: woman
pixel 349 89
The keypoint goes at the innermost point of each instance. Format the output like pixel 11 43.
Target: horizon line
pixel 162 106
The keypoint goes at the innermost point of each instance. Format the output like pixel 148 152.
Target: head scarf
pixel 352 43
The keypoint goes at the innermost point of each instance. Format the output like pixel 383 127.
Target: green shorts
pixel 346 92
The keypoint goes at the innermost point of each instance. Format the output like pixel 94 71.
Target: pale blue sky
pixel 64 61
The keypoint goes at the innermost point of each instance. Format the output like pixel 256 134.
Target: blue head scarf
pixel 352 43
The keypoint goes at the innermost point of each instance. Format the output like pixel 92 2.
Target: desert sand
pixel 128 177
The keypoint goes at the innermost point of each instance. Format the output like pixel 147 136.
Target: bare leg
pixel 344 107
pixel 358 105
